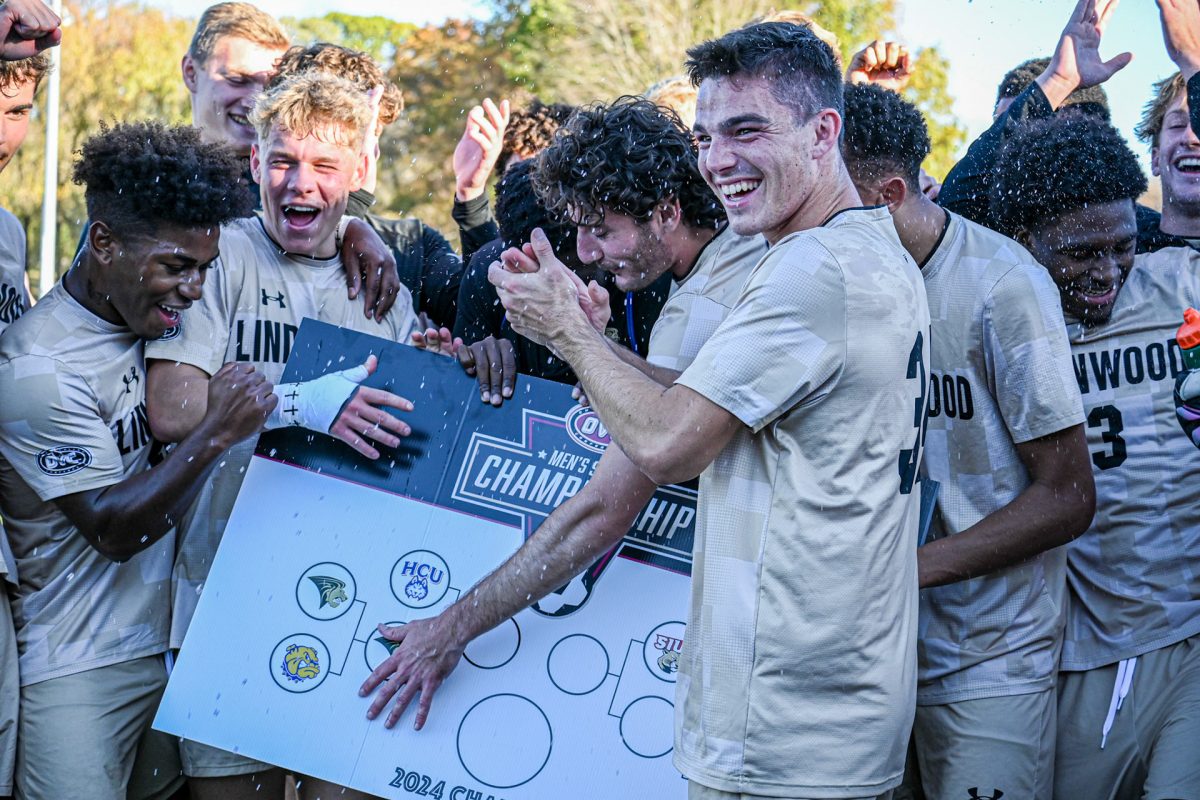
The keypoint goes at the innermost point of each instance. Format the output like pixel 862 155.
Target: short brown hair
pixel 239 21
pixel 354 65
pixel 15 73
pixel 317 104
pixel 1166 92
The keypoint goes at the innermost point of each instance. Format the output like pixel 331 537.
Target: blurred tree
pixel 378 36
pixel 624 46
pixel 120 61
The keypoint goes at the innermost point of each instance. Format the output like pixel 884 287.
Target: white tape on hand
pixel 315 404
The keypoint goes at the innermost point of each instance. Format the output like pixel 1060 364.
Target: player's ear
pixel 256 164
pixel 895 192
pixel 188 67
pixel 668 213
pixel 101 242
pixel 360 173
pixel 1154 170
pixel 827 130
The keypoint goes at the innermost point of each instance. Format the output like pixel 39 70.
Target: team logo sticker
pixel 299 663
pixel 586 430
pixel 326 591
pixel 420 579
pixel 378 647
pixel 64 460
pixel 662 649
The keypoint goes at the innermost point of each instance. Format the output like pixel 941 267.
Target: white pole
pixel 49 271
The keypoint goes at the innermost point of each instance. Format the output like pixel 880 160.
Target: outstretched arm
pixel 570 539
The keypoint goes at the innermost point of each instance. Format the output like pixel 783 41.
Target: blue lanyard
pixel 629 322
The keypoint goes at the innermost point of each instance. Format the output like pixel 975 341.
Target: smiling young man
pixel 275 270
pixel 804 410
pixel 1005 441
pixel 1130 681
pixel 89 522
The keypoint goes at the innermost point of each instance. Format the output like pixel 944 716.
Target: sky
pixel 982 38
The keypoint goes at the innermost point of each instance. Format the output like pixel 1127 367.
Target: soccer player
pixel 1005 441
pixel 231 57
pixel 804 410
pixel 635 141
pixel 19 81
pixel 275 270
pixel 1130 681
pixel 90 524
pixel 427 265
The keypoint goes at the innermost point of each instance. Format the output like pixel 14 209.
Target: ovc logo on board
pixel 586 430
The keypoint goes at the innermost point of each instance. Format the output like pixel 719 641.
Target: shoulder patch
pixel 63 460
pixel 171 333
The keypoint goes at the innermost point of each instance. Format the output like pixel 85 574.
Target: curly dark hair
pixel 140 175
pixel 353 65
pixel 519 210
pixel 1060 164
pixel 1017 80
pixel 801 69
pixel 625 157
pixel 883 134
pixel 531 130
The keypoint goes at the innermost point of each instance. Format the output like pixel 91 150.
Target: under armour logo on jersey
pixel 974 794
pixel 270 298
pixel 130 379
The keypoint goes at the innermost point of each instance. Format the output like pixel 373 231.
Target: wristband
pixel 315 404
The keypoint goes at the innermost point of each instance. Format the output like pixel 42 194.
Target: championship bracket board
pixel 572 698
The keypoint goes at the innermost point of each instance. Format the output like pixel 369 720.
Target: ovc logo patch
pixel 63 460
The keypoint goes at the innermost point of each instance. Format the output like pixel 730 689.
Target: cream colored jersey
pixel 254 300
pixel 1001 376
pixel 701 301
pixel 1134 577
pixel 799 672
pixel 14 300
pixel 73 419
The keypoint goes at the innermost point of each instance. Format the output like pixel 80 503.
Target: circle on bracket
pixel 326 591
pixel 648 726
pixel 378 648
pixel 577 664
pixel 420 579
pixel 495 648
pixel 299 663
pixel 662 649
pixel 504 741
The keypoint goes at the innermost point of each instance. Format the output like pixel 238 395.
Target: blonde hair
pixel 315 104
pixel 1166 92
pixel 678 94
pixel 353 65
pixel 800 18
pixel 239 21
